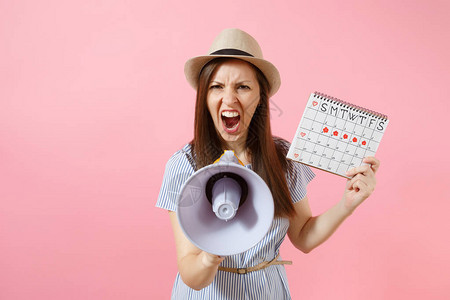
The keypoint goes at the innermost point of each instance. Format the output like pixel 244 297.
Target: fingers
pixel 373 161
pixel 362 176
pixel 364 169
pixel 209 259
pixel 360 181
pixel 359 185
pixel 362 189
pixel 351 182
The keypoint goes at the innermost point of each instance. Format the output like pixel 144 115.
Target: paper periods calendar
pixel 335 136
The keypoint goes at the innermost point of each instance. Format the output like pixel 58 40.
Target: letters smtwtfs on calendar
pixel 335 136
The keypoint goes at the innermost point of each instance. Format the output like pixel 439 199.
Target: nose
pixel 229 96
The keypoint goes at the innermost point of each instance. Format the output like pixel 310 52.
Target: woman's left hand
pixel 362 183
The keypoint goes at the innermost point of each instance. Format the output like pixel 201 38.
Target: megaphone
pixel 225 208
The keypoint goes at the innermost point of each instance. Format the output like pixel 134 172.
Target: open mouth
pixel 230 120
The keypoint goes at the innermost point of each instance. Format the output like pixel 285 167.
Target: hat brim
pixel 193 67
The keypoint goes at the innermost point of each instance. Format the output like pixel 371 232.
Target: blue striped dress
pixel 268 283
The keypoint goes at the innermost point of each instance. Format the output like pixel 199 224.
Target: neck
pixel 240 150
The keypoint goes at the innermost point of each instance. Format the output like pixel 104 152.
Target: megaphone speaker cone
pixel 222 227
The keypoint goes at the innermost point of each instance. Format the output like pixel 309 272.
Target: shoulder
pixel 181 154
pixel 281 144
pixel 297 175
pixel 178 170
pixel 181 160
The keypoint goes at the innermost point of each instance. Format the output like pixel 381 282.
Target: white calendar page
pixel 335 136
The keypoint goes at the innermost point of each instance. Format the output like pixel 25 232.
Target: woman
pixel 233 85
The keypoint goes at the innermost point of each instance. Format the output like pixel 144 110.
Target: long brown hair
pixel 268 154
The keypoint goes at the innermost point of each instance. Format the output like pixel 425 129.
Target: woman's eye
pixel 215 86
pixel 245 87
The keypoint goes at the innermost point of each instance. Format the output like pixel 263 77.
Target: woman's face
pixel 233 95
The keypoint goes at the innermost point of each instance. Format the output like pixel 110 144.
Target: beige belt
pixel 260 266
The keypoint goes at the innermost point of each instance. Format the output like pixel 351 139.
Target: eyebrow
pixel 239 82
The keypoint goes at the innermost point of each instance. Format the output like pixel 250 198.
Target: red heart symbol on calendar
pixel 315 103
pixel 295 155
pixel 302 134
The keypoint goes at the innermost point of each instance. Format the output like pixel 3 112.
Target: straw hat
pixel 234 43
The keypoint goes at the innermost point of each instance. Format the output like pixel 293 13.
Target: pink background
pixel 93 102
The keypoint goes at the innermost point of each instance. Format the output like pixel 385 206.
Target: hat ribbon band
pixel 231 51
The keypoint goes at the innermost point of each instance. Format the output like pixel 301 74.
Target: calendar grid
pixel 335 136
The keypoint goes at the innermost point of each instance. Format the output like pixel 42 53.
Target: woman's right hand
pixel 211 260
pixel 197 268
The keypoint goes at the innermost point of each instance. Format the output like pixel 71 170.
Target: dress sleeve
pixel 178 170
pixel 298 177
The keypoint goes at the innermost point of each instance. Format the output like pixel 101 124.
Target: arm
pixel 307 232
pixel 197 268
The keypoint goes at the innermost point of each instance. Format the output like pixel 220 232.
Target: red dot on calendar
pixel 335 133
pixel 302 134
pixel 364 143
pixel 355 140
pixel 345 136
pixel 315 103
pixel 295 155
pixel 325 129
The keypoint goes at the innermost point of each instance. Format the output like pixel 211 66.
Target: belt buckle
pixel 242 271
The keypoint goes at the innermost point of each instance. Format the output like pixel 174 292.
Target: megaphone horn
pixel 225 208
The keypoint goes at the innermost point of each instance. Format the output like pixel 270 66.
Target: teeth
pixel 230 114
